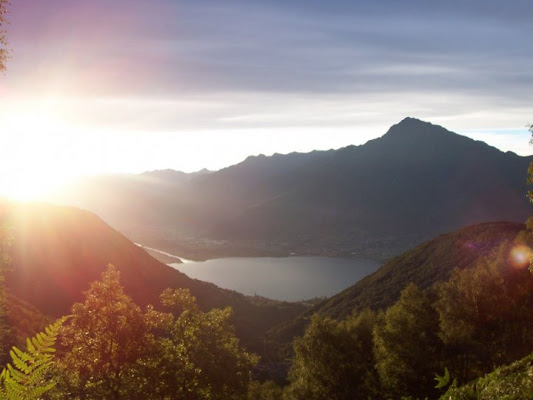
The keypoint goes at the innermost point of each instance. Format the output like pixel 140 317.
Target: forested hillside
pixel 458 329
pixel 424 265
pixel 436 336
pixel 56 252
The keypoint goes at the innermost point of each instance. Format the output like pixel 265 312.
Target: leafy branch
pixel 28 377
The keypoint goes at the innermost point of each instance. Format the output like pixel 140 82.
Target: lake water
pixel 285 278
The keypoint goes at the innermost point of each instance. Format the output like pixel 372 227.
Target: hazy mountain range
pixel 376 199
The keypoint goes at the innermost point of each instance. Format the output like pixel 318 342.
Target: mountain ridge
pixel 376 199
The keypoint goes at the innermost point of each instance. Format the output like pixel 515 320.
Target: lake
pixel 284 278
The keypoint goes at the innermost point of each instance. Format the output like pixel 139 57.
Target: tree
pixel 485 315
pixel 3 39
pixel 102 342
pixel 407 348
pixel 196 354
pixel 268 390
pixel 113 350
pixel 333 360
pixel 530 169
pixel 5 243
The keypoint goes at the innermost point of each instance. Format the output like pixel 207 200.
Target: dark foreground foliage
pixel 478 319
pixel 511 382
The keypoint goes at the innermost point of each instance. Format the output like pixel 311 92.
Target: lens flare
pixel 520 256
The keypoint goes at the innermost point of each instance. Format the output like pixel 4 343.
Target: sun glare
pixel 520 256
pixel 31 164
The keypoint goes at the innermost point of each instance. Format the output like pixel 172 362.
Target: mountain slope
pixel 417 179
pixel 377 199
pixel 58 251
pixel 426 264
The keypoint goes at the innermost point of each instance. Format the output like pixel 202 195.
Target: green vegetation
pixel 334 360
pixel 424 265
pixel 30 376
pixel 111 349
pixel 68 248
pixel 511 382
pixel 406 345
pixel 477 319
pixel 5 331
pixel 3 40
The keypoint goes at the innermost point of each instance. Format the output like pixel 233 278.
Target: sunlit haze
pixel 129 86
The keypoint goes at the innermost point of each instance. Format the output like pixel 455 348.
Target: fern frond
pixel 27 378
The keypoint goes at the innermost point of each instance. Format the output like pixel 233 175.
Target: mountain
pixel 376 199
pixel 172 176
pixel 57 251
pixel 424 265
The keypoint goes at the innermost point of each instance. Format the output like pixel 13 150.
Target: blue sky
pixel 132 85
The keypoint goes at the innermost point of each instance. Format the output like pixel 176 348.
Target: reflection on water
pixel 288 278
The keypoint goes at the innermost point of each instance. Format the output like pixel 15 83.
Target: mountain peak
pixel 409 124
pixel 411 130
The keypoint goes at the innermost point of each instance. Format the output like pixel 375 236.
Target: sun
pixel 32 143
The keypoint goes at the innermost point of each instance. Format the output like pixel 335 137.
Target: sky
pixel 132 85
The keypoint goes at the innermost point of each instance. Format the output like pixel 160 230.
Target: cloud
pixel 186 47
pixel 257 68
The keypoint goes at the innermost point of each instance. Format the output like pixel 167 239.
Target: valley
pixel 375 200
pixel 303 263
pixel 269 200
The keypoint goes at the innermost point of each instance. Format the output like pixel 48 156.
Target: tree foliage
pixel 485 315
pixel 103 340
pixel 479 318
pixel 5 243
pixel 407 348
pixel 29 377
pixel 196 354
pixel 3 39
pixel 510 382
pixel 267 390
pixel 530 169
pixel 113 350
pixel 334 360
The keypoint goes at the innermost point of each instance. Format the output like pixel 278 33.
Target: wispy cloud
pixel 242 67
